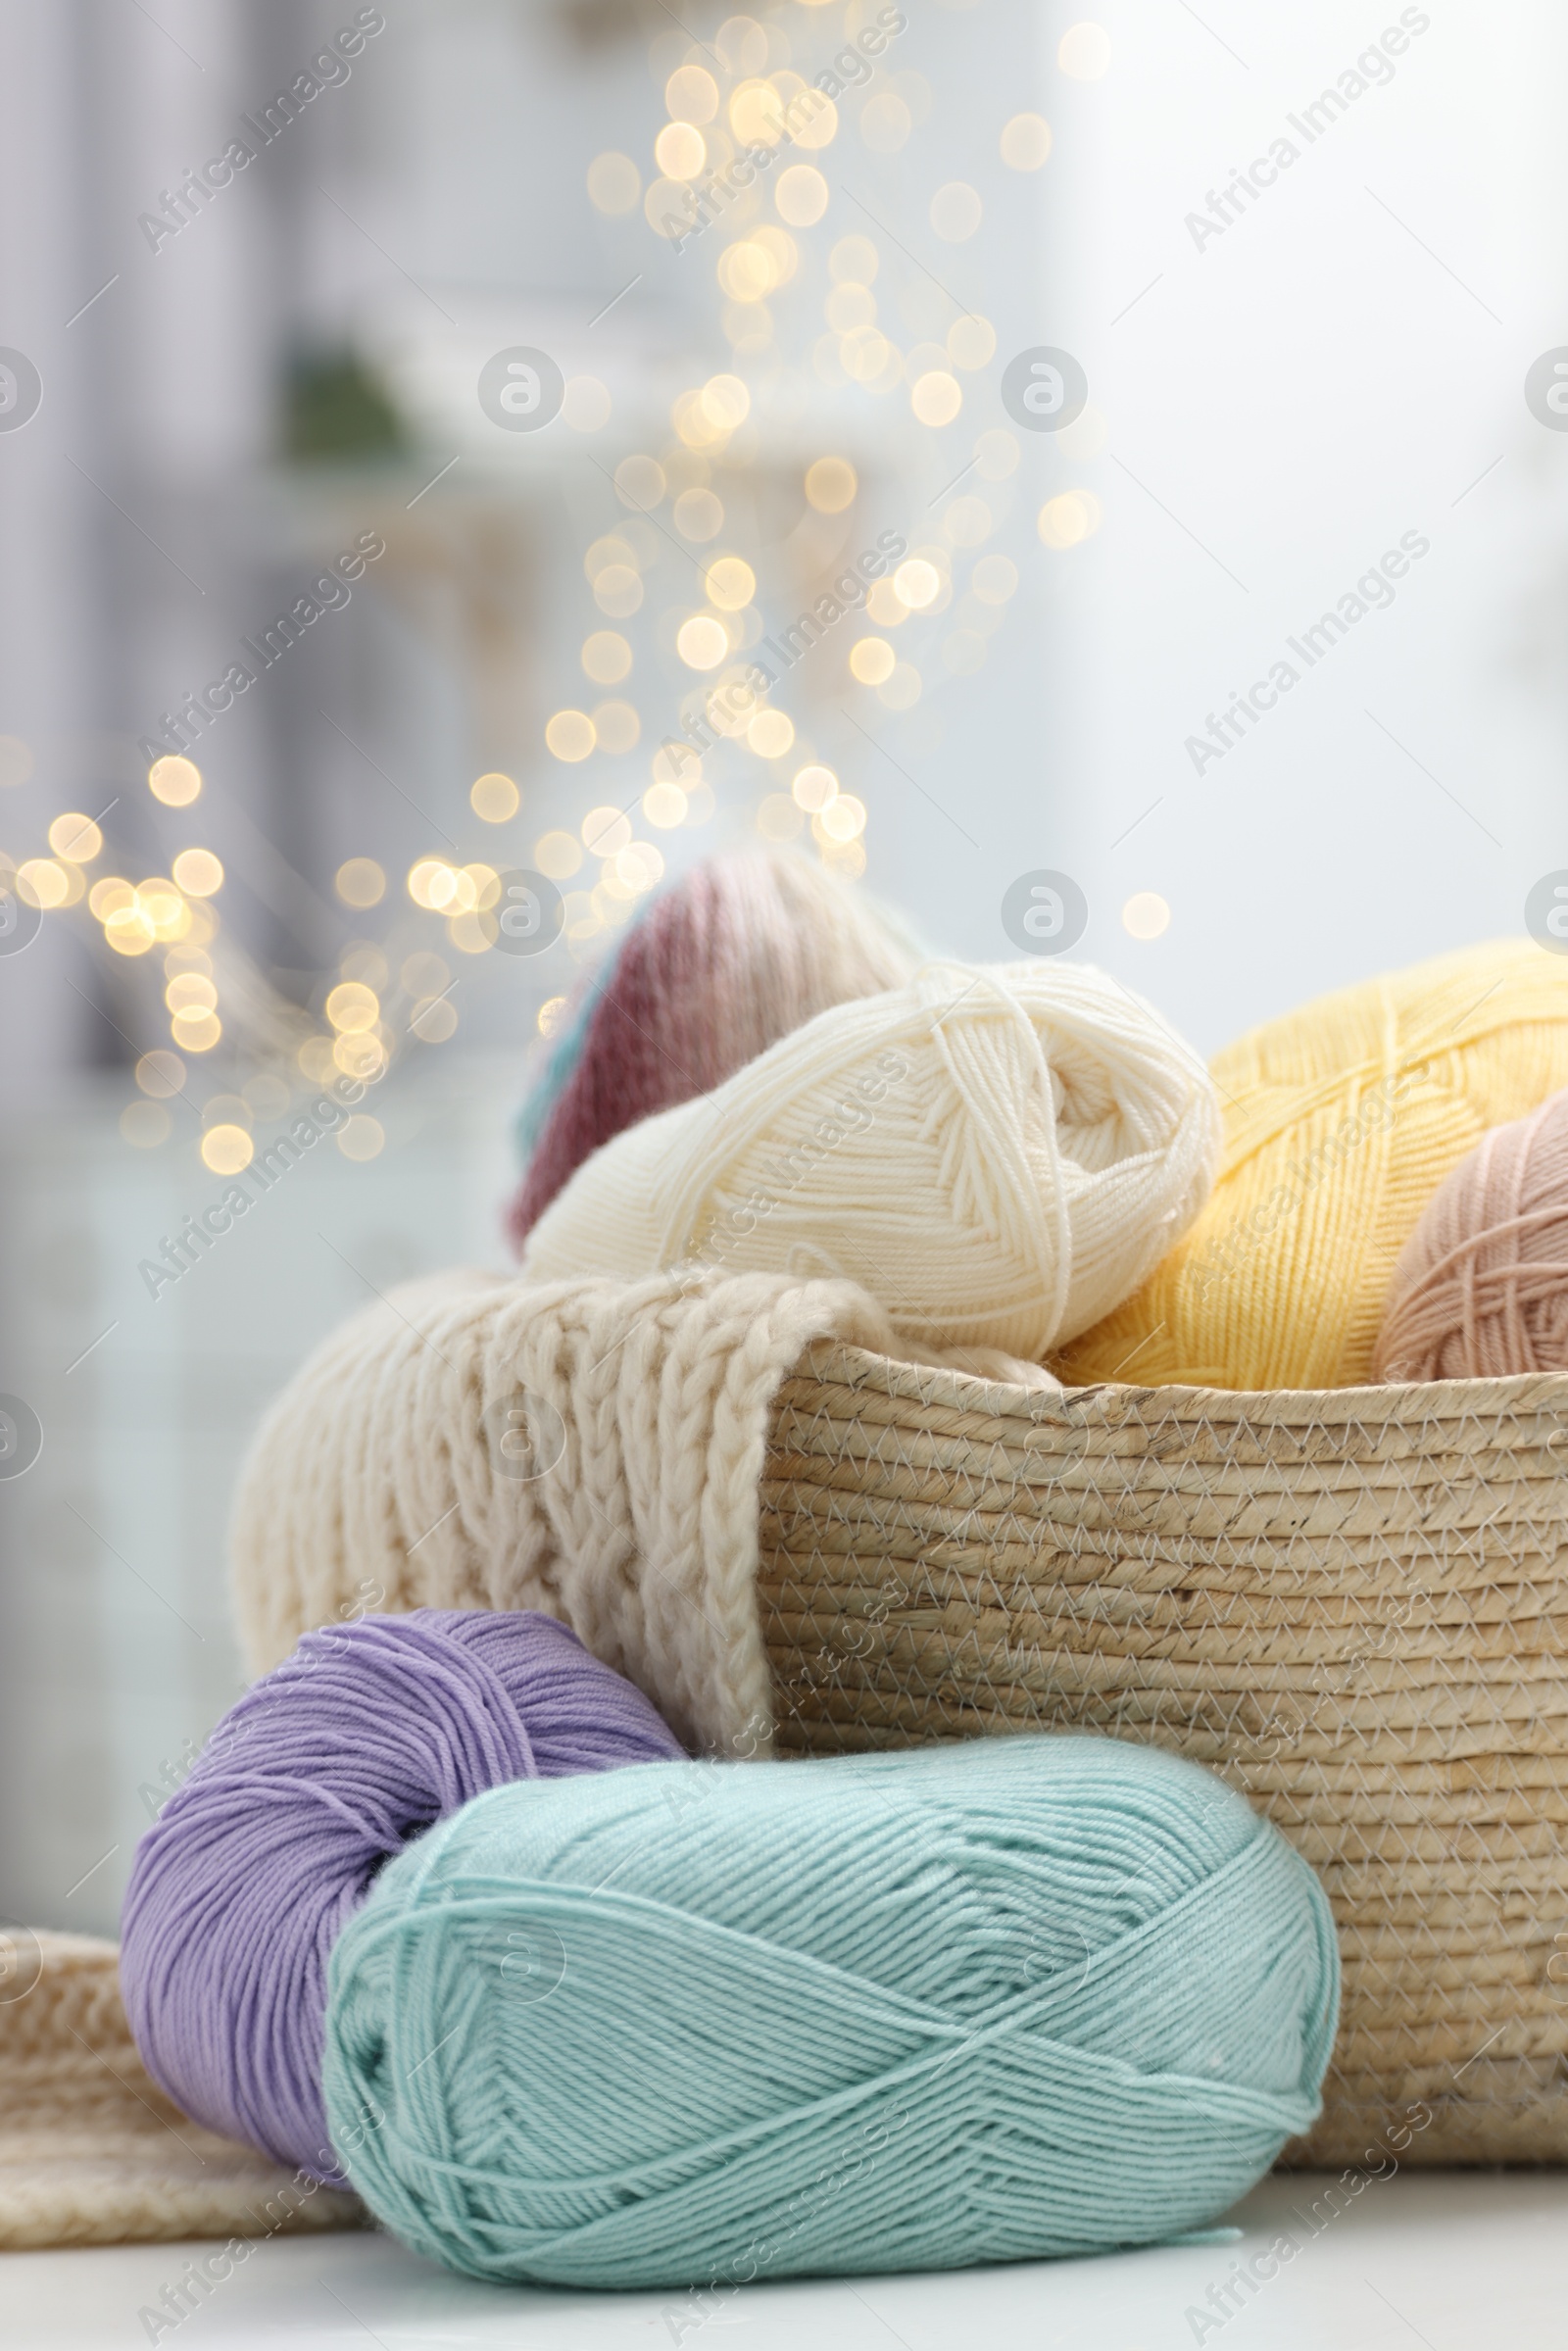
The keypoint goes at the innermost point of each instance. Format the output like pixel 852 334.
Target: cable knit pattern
pixel 91 2152
pixel 381 1477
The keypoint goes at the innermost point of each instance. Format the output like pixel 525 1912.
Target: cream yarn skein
pixel 998 1154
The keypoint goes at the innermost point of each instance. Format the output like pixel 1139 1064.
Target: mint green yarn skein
pixel 691 2023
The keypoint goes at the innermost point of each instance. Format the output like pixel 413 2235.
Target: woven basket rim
pixel 1408 1403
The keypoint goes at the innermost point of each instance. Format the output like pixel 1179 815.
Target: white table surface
pixel 1455 2261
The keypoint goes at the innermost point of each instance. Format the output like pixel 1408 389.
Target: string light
pixel 607 658
pixel 198 872
pixel 830 484
pixel 604 831
pixel 699 485
pixel 226 1149
pixel 557 856
pixel 40 882
pixel 569 735
pixel 814 789
pixel 175 780
pixel 77 839
pixel 494 798
pixel 361 882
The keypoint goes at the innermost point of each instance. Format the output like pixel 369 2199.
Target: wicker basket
pixel 1353 1604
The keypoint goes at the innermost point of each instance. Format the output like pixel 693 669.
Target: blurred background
pixel 411 430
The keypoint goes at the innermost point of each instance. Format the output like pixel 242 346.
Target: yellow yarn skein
pixel 1340 1121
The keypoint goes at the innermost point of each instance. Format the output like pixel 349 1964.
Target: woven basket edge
pixel 834 1363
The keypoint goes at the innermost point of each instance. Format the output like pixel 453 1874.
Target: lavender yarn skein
pixel 365 1736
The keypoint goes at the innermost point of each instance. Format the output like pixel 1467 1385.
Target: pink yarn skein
pixel 1481 1287
pixel 743 950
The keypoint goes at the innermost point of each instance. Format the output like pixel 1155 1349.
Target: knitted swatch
pixel 91 2151
pixel 641 1410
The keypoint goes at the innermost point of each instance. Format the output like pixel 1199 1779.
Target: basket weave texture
pixel 1352 1603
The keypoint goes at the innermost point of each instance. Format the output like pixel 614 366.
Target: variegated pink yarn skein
pixel 1481 1287
pixel 745 948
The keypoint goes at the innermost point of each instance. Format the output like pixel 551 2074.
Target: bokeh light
pixel 801 195
pixel 606 657
pixel 770 734
pixel 853 260
pixel 699 515
pixel 779 818
pixel 1146 916
pixel 917 583
pixel 162 910
pixel 664 805
pixel 747 271
pixel 160 1074
pixel 604 831
pixel 430 884
pixel 1068 518
pixel 558 855
pixel 144 1125
pixel 691 95
pixel 995 578
pixel 955 212
pixel 756 114
pixel 569 735
pixel 617 727
pixel 173 780
pixel 494 798
pixel 76 838
pixel 1025 142
pixel 618 591
pixel 585 404
pixel 196 1032
pixel 831 484
pixel 1084 51
pixel 351 1007
pixel 936 397
pixel 680 151
pixel 972 342
pixel 814 788
pixel 359 882
pixel 198 872
pixel 190 992
pixel 226 1149
pixel 730 583
pixel 701 641
pixel 359 1054
pixel 885 123
pixel 361 1137
pixel 640 482
pixel 843 819
pixel 725 401
pixel 615 182
pixel 40 882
